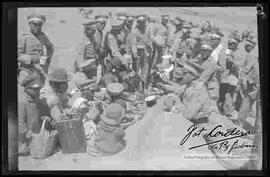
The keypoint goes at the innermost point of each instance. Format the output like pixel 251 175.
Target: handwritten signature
pixel 221 144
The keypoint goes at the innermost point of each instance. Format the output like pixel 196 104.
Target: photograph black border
pixel 9 79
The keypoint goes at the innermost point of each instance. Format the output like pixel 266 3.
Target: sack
pixel 44 143
pixel 72 136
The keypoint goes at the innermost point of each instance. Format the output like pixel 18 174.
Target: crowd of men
pixel 205 76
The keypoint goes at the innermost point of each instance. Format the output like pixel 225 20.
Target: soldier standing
pixel 99 38
pixel 178 23
pixel 86 59
pixel 141 47
pixel 160 40
pixel 29 111
pixel 116 44
pixel 228 76
pixel 34 46
pixel 249 80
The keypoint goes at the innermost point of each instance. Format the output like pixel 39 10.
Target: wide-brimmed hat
pixel 115 88
pixel 58 75
pixel 36 17
pixel 113 114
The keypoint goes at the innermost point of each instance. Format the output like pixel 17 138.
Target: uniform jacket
pixel 141 40
pixel 31 47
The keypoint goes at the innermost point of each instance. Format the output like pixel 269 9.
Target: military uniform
pixel 87 51
pixel 228 78
pixel 162 33
pixel 30 48
pixel 141 46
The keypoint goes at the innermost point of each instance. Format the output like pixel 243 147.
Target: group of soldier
pixel 202 72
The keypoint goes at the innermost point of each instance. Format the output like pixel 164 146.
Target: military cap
pixel 193 68
pixel 36 17
pixel 121 15
pixel 166 16
pixel 178 20
pixel 89 23
pixel 250 42
pixel 58 75
pixel 236 36
pixel 232 41
pixel 130 17
pixel 216 35
pixel 101 18
pixel 32 81
pixel 206 46
pixel 141 17
pixel 117 24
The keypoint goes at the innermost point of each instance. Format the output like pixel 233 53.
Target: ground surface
pixel 64 28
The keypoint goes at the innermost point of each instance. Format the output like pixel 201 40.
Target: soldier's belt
pixel 200 120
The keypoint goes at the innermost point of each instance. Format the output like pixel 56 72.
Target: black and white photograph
pixel 138 88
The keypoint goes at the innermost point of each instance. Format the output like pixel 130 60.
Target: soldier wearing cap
pixel 87 58
pixel 215 39
pixel 116 43
pixel 178 23
pixel 32 46
pixel 54 92
pixel 208 76
pixel 141 46
pixel 130 21
pixel 183 46
pixel 228 76
pixel 160 39
pixel 29 111
pixel 250 82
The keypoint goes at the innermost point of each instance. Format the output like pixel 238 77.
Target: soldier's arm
pixel 22 56
pixel 193 105
pixel 50 48
pixel 211 68
pixel 133 44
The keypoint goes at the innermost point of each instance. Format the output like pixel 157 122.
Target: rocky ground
pixel 64 28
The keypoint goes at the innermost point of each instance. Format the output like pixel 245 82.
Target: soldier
pixel 130 20
pixel 215 40
pixel 228 76
pixel 141 47
pixel 99 37
pixel 115 44
pixel 249 80
pixel 208 76
pixel 203 37
pixel 86 59
pixel 34 46
pixel 178 23
pixel 183 46
pixel 160 40
pixel 54 92
pixel 29 111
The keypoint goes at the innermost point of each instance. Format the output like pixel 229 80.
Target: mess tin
pixel 151 100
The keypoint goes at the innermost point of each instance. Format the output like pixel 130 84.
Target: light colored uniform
pixel 30 48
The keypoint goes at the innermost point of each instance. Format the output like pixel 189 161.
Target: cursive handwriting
pixel 230 132
pixel 192 131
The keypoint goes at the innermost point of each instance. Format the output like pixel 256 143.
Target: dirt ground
pixel 63 26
